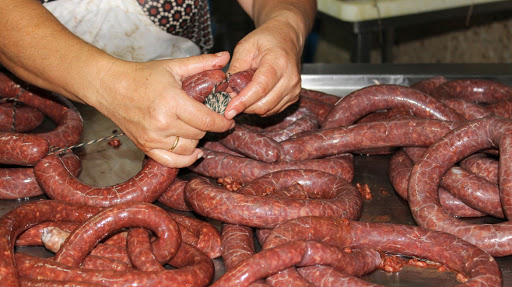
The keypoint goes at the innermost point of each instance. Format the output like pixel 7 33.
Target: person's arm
pixel 144 99
pixel 38 49
pixel 274 50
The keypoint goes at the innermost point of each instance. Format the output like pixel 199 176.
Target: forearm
pixel 39 49
pixel 299 13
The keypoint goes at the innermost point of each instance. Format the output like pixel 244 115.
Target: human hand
pixel 147 102
pixel 274 51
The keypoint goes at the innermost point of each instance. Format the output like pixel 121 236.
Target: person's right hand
pixel 147 102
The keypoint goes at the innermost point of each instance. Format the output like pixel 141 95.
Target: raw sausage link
pixel 140 250
pixel 319 109
pixel 113 252
pixel 146 186
pixel 429 85
pixel 329 195
pixel 483 166
pixel 400 167
pixel 358 262
pixel 373 98
pixel 239 80
pixel 395 133
pixel 280 121
pixel 105 263
pixel 392 114
pixel 287 277
pixel 207 237
pixel 426 175
pixel 471 189
pixel 118 239
pixel 325 276
pixel 468 110
pixel 252 144
pixel 26 118
pixel 503 108
pixel 197 233
pixel 32 236
pixel 218 147
pixel 320 96
pixel 474 90
pixel 480 267
pixel 69 122
pixel 22 149
pixel 133 215
pixel 387 115
pixel 222 165
pixel 200 85
pixel 195 269
pixel 259 138
pixel 50 283
pixel 20 182
pixel 83 239
pixel 464 96
pixel 118 252
pixel 237 244
pixel 300 121
pixel 26 216
pixel 173 197
pixel 53 238
pixel 298 253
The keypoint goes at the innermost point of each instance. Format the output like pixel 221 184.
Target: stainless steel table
pixel 386 205
pixel 104 165
pixel 368 18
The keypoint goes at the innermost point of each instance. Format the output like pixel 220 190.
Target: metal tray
pixel 386 205
pixel 103 165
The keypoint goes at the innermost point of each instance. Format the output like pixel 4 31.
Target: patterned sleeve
pixel 186 18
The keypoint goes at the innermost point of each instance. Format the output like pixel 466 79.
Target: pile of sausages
pixel 21 150
pixel 285 180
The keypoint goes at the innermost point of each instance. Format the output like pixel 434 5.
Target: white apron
pixel 120 28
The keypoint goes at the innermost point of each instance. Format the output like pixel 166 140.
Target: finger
pixel 263 82
pixel 283 104
pixel 268 106
pixel 178 127
pixel 180 145
pixel 185 67
pixel 242 59
pixel 174 160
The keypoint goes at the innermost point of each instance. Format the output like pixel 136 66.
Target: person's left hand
pixel 274 51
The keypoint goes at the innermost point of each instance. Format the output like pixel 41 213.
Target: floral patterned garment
pixel 186 18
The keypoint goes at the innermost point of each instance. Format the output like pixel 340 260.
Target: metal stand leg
pixel 388 39
pixel 362 47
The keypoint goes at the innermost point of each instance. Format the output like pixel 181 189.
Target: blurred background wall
pixel 470 39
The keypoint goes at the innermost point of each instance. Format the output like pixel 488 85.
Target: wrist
pixel 290 29
pixel 299 23
pixel 88 83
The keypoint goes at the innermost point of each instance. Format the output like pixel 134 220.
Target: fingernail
pixel 232 126
pixel 200 155
pixel 231 114
pixel 220 54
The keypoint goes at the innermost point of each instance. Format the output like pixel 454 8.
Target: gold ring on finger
pixel 175 144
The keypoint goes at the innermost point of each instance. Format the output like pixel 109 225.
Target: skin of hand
pixel 144 99
pixel 274 50
pixel 147 102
